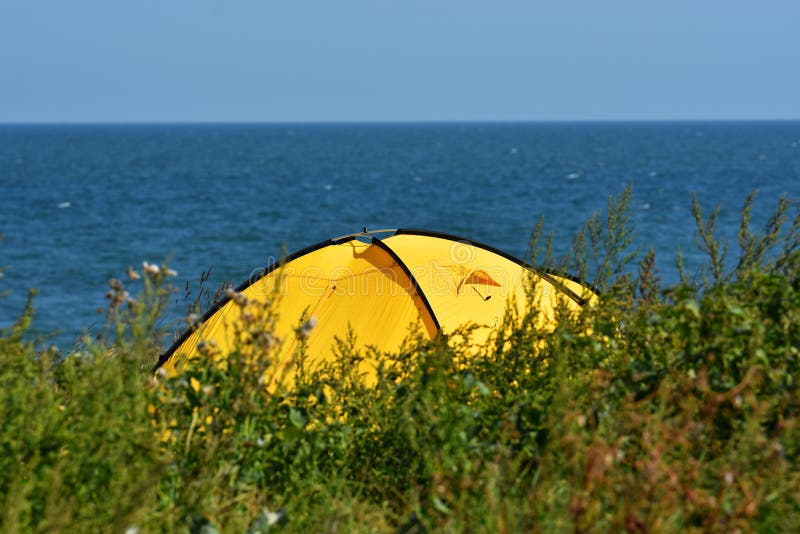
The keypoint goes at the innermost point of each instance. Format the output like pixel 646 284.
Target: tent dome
pixel 381 289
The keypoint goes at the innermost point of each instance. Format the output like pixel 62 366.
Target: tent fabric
pixel 380 290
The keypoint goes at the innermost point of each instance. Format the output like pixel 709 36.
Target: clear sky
pixel 376 60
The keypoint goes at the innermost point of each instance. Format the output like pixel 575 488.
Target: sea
pixel 81 203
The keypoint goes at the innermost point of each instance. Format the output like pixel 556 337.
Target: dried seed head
pixel 132 274
pixel 308 327
pixel 150 269
pixel 273 518
pixel 236 297
pixel 268 340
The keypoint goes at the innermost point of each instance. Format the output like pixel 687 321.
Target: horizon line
pixel 387 122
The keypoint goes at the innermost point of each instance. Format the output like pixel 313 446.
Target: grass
pixel 665 408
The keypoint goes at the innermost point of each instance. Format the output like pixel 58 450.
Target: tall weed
pixel 655 409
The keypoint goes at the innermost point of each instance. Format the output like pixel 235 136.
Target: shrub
pixel 659 409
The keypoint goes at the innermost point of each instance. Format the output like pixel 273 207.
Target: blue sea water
pixel 78 204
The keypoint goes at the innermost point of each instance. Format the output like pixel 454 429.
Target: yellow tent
pixel 380 289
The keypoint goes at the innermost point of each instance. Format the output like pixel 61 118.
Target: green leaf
pixel 297 418
pixel 440 506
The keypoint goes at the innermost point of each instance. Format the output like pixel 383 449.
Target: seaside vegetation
pixel 664 408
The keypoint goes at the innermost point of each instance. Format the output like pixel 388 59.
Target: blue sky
pixel 378 60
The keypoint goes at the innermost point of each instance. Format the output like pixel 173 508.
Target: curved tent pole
pixel 241 287
pixel 383 246
pixel 547 274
